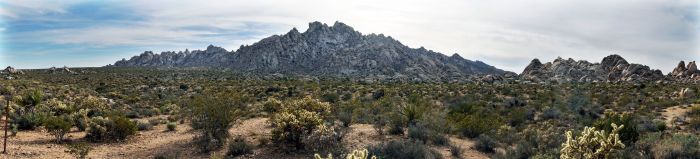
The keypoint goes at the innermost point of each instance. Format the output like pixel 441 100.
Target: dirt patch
pixel 676 115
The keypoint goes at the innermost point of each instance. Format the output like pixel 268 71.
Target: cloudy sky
pixel 503 33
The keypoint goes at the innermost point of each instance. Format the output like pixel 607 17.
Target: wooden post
pixel 7 112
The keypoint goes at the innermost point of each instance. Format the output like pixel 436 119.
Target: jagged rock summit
pixel 323 50
pixel 686 73
pixel 612 68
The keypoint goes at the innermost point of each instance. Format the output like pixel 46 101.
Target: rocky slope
pixel 612 68
pixel 324 50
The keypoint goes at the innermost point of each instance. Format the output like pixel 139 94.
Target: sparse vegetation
pixel 525 120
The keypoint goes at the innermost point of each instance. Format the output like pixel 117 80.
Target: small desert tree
pixel 592 144
pixel 58 126
pixel 213 116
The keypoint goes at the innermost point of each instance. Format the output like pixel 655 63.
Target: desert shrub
pixel 474 125
pixel 79 150
pixel 396 124
pixel 414 109
pixel 439 139
pixel 485 144
pixel 646 125
pixel 345 118
pixel 551 113
pixel 32 98
pixel 272 105
pixel 238 147
pixel 123 127
pixel 28 121
pixel 379 125
pixel 111 128
pixel 418 132
pixel 646 142
pixel 80 119
pixel 518 116
pixel 144 126
pixel 677 146
pixel 297 119
pixel 57 126
pixel 356 154
pixel 403 150
pixel 212 116
pixel 171 126
pixel 592 143
pixel 628 133
pixel 456 151
pixel 155 121
pixel 13 130
pixel 324 138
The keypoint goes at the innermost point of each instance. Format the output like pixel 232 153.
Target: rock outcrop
pixel 64 69
pixel 612 68
pixel 11 70
pixel 323 50
pixel 685 73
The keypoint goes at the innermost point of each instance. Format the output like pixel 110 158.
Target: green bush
pixel 114 128
pixel 171 126
pixel 628 134
pixel 212 116
pixel 29 121
pixel 79 150
pixel 238 147
pixel 474 125
pixel 403 150
pixel 57 126
pixel 123 127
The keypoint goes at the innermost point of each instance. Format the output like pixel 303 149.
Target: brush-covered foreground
pixel 149 113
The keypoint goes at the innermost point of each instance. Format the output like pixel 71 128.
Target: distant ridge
pixel 322 50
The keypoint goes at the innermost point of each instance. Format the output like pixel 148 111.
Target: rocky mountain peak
pixel 613 60
pixel 211 48
pixel 323 50
pixel 534 65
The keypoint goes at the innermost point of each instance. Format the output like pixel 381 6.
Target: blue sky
pixel 503 33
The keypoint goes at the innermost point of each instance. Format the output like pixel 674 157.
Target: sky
pixel 507 34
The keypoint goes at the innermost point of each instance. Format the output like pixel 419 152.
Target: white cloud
pixel 505 33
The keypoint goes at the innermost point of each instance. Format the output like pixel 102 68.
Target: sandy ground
pixel 670 114
pixel 148 144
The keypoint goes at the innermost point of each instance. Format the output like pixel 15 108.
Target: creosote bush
pixel 113 128
pixel 212 116
pixel 238 147
pixel 58 126
pixel 79 150
pixel 396 149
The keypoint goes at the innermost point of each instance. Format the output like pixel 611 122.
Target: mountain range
pixel 323 50
pixel 340 51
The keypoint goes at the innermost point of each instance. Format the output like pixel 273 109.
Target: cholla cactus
pixel 357 154
pixel 592 144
